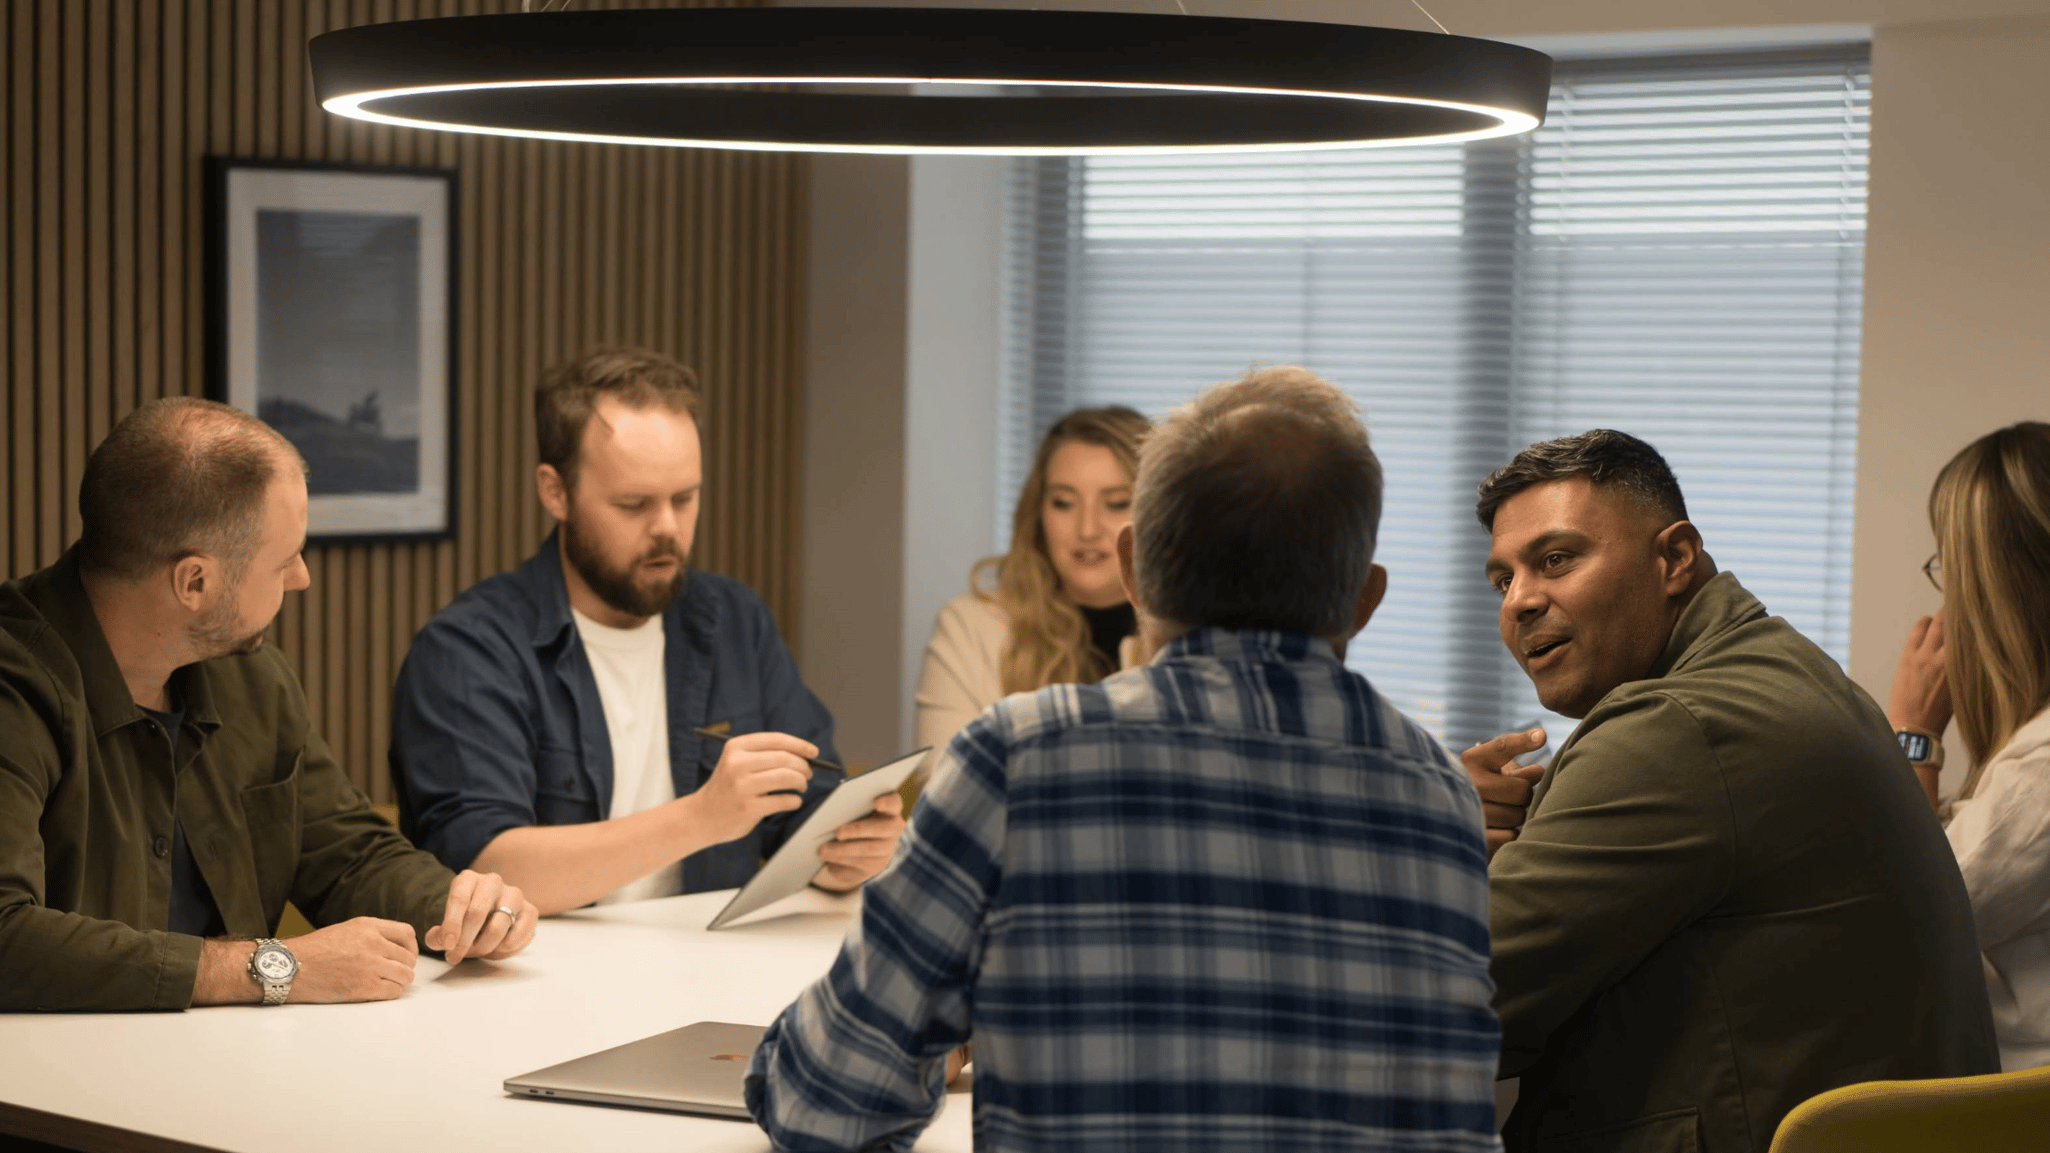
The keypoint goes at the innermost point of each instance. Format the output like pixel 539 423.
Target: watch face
pixel 275 964
pixel 1915 745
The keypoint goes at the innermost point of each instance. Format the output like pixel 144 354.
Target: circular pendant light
pixel 896 80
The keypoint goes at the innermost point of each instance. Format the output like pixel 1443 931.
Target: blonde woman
pixel 1988 655
pixel 1050 610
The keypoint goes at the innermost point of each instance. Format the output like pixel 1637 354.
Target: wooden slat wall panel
pixel 110 105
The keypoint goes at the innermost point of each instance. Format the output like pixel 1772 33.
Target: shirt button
pixel 161 846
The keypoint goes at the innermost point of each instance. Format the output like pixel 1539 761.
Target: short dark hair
pixel 567 396
pixel 1257 507
pixel 1604 456
pixel 175 477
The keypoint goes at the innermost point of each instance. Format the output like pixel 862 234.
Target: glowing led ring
pixel 1070 82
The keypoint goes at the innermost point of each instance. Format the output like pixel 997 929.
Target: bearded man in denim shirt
pixel 604 722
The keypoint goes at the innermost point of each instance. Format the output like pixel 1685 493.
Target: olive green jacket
pixel 86 799
pixel 1729 895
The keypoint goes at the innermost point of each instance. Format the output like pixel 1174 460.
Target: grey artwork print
pixel 338 344
pixel 331 307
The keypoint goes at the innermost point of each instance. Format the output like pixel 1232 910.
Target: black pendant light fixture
pixel 929 80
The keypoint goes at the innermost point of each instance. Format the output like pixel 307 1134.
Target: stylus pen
pixel 816 762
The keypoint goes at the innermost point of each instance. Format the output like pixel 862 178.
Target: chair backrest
pixel 1994 1113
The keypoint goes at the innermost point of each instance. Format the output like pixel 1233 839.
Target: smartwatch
pixel 1923 748
pixel 273 966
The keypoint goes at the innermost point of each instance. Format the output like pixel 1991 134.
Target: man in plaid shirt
pixel 1231 899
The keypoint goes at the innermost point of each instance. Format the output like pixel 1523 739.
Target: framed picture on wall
pixel 331 315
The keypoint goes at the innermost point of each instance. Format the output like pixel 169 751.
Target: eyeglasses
pixel 1933 569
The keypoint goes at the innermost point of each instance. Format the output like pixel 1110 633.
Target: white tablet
pixel 797 862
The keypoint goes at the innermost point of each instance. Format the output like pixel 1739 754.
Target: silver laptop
pixel 696 1069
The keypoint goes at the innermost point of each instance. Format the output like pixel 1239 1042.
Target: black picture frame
pixel 331 314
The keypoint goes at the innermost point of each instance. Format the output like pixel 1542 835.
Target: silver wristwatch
pixel 273 966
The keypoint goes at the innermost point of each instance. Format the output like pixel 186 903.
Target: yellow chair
pixel 1994 1113
pixel 294 923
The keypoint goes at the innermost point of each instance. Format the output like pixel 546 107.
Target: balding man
pixel 1228 900
pixel 161 794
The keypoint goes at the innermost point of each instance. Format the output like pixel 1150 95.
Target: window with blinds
pixel 1677 253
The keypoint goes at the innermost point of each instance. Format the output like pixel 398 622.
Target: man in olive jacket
pixel 1728 893
pixel 161 794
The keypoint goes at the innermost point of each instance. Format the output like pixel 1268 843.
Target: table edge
pixel 86 1136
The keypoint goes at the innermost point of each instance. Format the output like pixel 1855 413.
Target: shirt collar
pixel 1249 645
pixel 64 603
pixel 1721 605
pixel 543 573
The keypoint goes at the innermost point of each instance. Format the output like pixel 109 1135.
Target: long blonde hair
pixel 1048 641
pixel 1991 512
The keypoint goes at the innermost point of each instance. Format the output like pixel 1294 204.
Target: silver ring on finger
pixel 510 915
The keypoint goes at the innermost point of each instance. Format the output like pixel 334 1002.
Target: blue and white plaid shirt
pixel 1229 900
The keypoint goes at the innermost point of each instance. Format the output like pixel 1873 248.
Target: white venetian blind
pixel 1676 254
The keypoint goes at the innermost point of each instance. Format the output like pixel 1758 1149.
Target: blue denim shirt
pixel 496 722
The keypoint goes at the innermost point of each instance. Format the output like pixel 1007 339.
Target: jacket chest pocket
pixel 562 796
pixel 272 813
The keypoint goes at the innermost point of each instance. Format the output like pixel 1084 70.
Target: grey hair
pixel 1257 507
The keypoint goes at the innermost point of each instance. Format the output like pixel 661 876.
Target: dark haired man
pixel 1727 894
pixel 161 795
pixel 543 726
pixel 1229 900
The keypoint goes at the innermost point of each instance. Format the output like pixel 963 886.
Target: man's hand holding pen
pixel 763 773
pixel 758 775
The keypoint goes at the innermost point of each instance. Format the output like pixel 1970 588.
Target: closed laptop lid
pixel 699 1068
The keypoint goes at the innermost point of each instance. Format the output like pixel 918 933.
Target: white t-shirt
pixel 627 664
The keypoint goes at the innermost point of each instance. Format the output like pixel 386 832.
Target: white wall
pixel 1957 285
pixel 900 423
pixel 1957 280
pixel 950 437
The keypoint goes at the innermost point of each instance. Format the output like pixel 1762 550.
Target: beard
pixel 216 632
pixel 617 586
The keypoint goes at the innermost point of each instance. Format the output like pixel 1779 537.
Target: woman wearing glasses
pixel 1986 658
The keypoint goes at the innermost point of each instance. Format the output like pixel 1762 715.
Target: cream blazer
pixel 960 676
pixel 2001 835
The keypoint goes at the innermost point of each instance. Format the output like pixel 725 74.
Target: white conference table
pixel 426 1071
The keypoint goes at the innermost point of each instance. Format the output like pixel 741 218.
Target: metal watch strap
pixel 274 992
